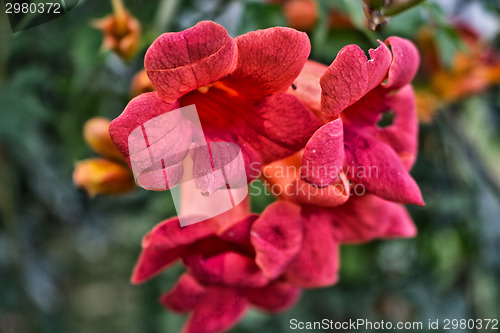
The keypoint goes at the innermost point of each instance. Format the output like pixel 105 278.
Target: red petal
pixel 275 297
pixel 307 87
pixel 404 63
pixel 269 60
pixel 324 154
pixel 274 130
pixel 402 135
pixel 169 234
pixel 350 76
pixel 277 237
pixel 218 311
pixel 153 261
pixel 184 296
pixel 376 166
pixel 269 131
pixel 165 244
pixel 227 268
pixel 275 118
pixel 240 231
pixel 138 111
pixel 367 217
pixel 400 224
pixel 318 261
pixel 180 62
pixel 362 218
pixel 367 111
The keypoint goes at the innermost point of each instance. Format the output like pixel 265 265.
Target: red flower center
pixel 218 104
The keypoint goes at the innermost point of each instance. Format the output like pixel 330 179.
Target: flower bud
pixel 101 176
pixel 301 14
pixel 121 31
pixel 141 84
pixel 96 134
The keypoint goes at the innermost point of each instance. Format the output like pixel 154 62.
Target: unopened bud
pixel 102 176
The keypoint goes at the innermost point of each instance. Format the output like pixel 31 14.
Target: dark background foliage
pixel 65 259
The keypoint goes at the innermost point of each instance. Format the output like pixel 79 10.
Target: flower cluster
pixel 473 70
pixel 260 92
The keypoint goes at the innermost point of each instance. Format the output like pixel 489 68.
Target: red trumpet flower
pixel 238 87
pixel 353 94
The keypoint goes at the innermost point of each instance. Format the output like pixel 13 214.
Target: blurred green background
pixel 65 259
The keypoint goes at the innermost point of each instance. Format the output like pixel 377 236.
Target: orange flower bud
pixel 96 134
pixel 101 176
pixel 121 31
pixel 141 84
pixel 340 20
pixel 301 14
